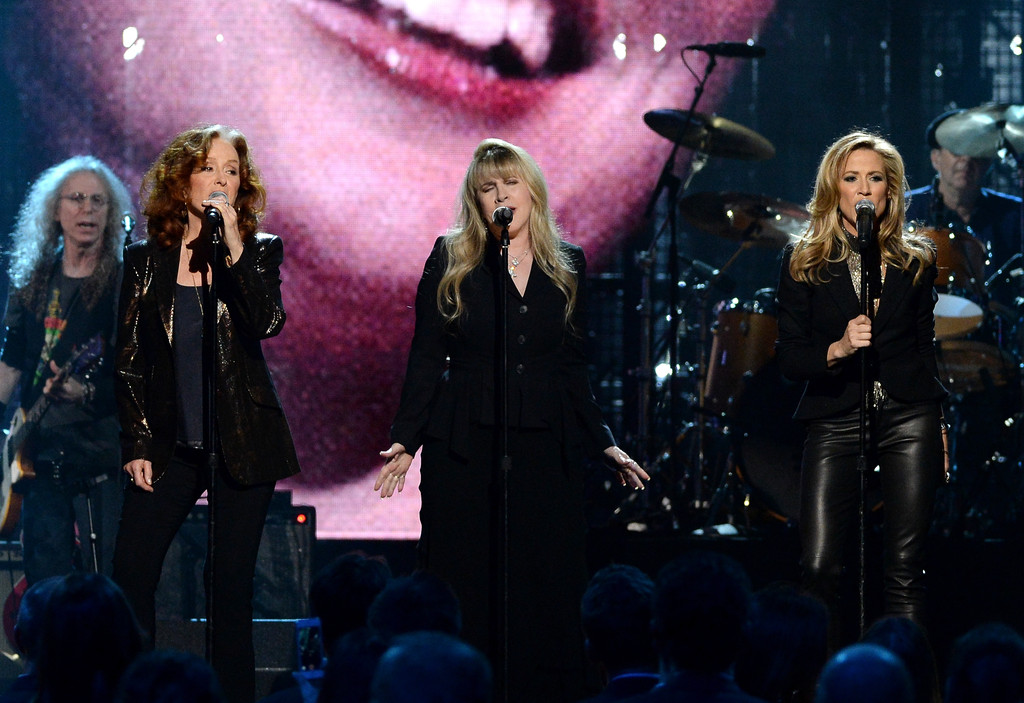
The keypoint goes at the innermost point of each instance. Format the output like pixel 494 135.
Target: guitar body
pixel 16 467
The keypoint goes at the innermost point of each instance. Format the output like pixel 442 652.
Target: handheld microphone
pixel 502 216
pixel 865 222
pixel 211 213
pixel 127 222
pixel 731 49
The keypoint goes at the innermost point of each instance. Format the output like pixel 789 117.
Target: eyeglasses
pixel 97 199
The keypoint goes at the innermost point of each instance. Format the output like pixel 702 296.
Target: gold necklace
pixel 516 261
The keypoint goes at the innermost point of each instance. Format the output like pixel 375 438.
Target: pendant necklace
pixel 516 260
pixel 197 283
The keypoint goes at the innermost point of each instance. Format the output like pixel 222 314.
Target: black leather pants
pixel 904 440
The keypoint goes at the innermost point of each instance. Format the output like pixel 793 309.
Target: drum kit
pixel 733 464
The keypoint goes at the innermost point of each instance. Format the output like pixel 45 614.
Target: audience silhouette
pixel 342 592
pixel 28 631
pixel 350 667
pixel 89 637
pixel 697 634
pixel 908 641
pixel 431 667
pixel 166 676
pixel 864 673
pixel 786 645
pixel 420 601
pixel 616 614
pixel 701 606
pixel 987 666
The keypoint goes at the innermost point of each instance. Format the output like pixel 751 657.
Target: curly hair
pixel 37 239
pixel 165 187
pixel 467 240
pixel 825 242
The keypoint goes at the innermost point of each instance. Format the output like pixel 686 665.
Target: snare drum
pixel 744 341
pixel 960 258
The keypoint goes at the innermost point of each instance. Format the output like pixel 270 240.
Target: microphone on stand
pixel 865 222
pixel 730 49
pixel 211 213
pixel 127 223
pixel 501 216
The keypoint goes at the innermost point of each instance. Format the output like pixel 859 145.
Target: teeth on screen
pixel 482 24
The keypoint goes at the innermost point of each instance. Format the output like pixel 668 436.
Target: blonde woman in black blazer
pixel 823 333
pixel 448 408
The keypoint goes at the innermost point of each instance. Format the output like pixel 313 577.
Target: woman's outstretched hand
pixel 630 473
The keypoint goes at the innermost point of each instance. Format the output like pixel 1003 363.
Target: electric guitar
pixel 15 465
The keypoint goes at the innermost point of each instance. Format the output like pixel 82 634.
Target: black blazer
pixel 255 442
pixel 549 385
pixel 811 317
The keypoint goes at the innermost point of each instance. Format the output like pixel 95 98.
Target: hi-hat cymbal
pixel 712 135
pixel 979 132
pixel 742 217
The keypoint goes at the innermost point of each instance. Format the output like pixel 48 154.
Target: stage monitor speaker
pixel 283 568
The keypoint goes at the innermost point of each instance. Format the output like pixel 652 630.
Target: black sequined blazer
pixel 255 442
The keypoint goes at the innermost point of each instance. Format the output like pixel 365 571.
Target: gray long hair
pixel 37 237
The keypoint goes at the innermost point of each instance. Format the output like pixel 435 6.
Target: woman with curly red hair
pixel 164 297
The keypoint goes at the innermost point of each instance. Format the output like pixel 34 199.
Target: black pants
pixel 542 574
pixel 149 522
pixel 904 440
pixel 68 520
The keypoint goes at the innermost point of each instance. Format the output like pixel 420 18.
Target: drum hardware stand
pixel 727 485
pixel 645 261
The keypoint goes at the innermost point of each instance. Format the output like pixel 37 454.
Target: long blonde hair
pixel 466 241
pixel 825 241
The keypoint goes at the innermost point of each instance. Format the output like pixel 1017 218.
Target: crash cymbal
pixel 742 217
pixel 710 134
pixel 979 132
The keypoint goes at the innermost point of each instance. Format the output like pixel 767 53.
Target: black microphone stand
pixel 216 227
pixel 864 227
pixel 506 459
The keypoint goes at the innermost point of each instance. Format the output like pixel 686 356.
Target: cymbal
pixel 758 219
pixel 710 134
pixel 979 132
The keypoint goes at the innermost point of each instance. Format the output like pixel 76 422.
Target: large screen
pixel 363 116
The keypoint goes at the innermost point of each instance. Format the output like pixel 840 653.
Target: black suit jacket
pixel 549 385
pixel 255 442
pixel 811 317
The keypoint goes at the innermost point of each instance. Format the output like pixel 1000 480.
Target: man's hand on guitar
pixel 64 388
pixel 141 471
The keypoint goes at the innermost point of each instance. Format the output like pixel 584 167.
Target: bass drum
pixel 771 442
pixel 744 341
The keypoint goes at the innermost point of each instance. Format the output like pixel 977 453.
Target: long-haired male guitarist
pixel 65 269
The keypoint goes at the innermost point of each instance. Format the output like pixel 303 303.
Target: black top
pixel 811 317
pixel 549 385
pixel 251 427
pixel 188 363
pixel 82 437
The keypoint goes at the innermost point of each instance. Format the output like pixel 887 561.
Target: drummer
pixel 957 201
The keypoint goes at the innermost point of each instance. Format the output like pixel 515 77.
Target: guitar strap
pixel 67 327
